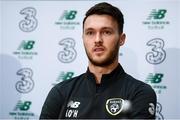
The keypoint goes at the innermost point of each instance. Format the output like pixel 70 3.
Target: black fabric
pixel 82 98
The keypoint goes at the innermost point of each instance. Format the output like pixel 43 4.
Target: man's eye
pixel 107 32
pixel 89 33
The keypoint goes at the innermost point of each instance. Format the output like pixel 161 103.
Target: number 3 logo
pixel 30 22
pixel 159 115
pixel 69 53
pixel 26 84
pixel 158 54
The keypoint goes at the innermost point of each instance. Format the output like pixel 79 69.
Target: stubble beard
pixel 110 58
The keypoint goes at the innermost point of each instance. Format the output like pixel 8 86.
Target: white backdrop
pixel 35 37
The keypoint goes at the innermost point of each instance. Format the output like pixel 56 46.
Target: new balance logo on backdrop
pixel 68 15
pixel 26 45
pixel 67 20
pixel 22 111
pixel 156 19
pixel 25 50
pixel 63 76
pixel 155 80
pixel 22 106
pixel 157 14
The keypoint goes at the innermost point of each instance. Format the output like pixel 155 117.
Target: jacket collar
pixel 106 80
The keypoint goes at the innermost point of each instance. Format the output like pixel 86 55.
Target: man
pixel 105 91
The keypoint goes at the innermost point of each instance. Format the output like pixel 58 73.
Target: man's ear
pixel 122 39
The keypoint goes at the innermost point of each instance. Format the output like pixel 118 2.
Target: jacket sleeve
pixel 143 103
pixel 52 105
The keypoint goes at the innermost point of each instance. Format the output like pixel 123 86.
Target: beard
pixel 109 58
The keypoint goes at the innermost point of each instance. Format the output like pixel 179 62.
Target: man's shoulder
pixel 137 84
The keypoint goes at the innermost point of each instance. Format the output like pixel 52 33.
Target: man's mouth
pixel 98 49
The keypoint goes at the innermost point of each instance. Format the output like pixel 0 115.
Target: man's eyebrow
pixel 110 28
pixel 89 28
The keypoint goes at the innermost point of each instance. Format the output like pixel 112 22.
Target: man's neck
pixel 98 71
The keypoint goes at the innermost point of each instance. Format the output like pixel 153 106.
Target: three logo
pixel 26 84
pixel 68 54
pixel 157 54
pixel 30 22
pixel 159 115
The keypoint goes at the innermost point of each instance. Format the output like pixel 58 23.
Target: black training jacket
pixel 119 96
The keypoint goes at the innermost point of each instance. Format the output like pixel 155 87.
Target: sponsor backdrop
pixel 41 45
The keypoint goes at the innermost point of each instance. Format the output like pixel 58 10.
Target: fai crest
pixel 114 105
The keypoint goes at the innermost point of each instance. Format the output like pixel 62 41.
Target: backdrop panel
pixel 35 37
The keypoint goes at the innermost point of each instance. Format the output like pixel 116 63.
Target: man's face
pixel 101 39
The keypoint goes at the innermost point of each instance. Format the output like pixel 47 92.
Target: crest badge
pixel 114 105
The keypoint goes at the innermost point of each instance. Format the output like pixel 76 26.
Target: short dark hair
pixel 106 9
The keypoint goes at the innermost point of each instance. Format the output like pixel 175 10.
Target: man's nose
pixel 98 38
